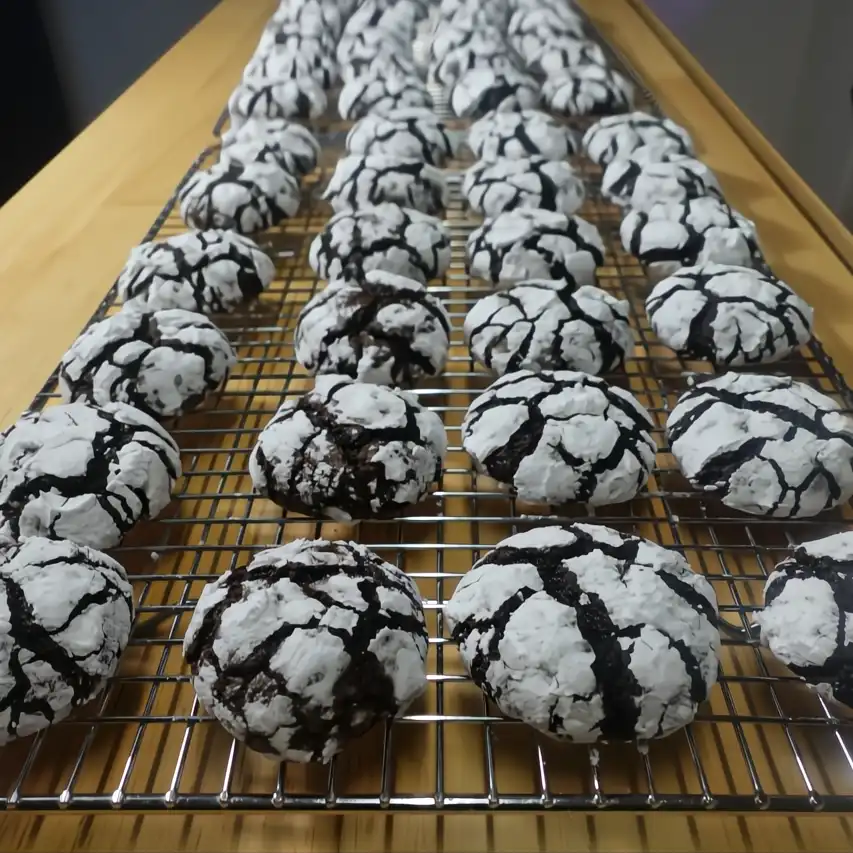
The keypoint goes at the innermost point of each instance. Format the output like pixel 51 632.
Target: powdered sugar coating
pixel 406 133
pixel 615 137
pixel 65 617
pixel 207 271
pixel 549 325
pixel 766 445
pixel 307 647
pixel 517 135
pixel 483 90
pixel 245 198
pixel 630 184
pixel 587 634
pixel 530 29
pixel 807 620
pixel 371 179
pixel 729 315
pixel 162 362
pixel 381 328
pixel 349 450
pixel 262 98
pixel 481 48
pixel 560 436
pixel 555 56
pixel 588 90
pixel 493 187
pixel 527 243
pixel 295 56
pixel 384 237
pixel 83 473
pixel 381 93
pixel 669 236
pixel 373 52
pixel 292 145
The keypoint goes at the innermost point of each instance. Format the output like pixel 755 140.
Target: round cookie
pixel 808 608
pixel 349 450
pixel 65 617
pixel 371 179
pixel 207 271
pixel 518 135
pixel 619 136
pixel 162 362
pixel 555 57
pixel 374 52
pixel 496 186
pixel 83 473
pixel 307 647
pixel 549 325
pixel 484 49
pixel 588 90
pixel 293 145
pixel 482 90
pixel 588 634
pixel 468 28
pixel 381 94
pixel 524 244
pixel 308 16
pixel 408 133
pixel 669 236
pixel 242 198
pixel 531 28
pixel 765 445
pixel 559 436
pixel 729 315
pixel 295 57
pixel 630 184
pixel 383 328
pixel 259 98
pixel 382 237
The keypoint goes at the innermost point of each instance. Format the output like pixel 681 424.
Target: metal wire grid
pixel 764 741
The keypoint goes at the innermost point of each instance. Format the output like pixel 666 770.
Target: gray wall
pixel 102 46
pixel 788 65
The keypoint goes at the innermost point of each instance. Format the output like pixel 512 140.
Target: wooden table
pixel 65 236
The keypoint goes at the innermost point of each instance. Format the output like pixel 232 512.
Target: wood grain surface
pixel 65 237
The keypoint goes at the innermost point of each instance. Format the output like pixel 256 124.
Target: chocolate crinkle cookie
pixel 528 243
pixel 290 144
pixel 262 98
pixel 209 271
pixel 370 179
pixel 381 93
pixel 519 135
pixel 672 235
pixel 493 187
pixel 559 436
pixel 382 237
pixel 245 198
pixel 554 57
pixel 65 618
pixel 588 634
pixel 408 133
pixel 307 647
pixel 765 445
pixel 808 607
pixel 630 183
pixel 549 325
pixel 162 362
pixel 380 328
pixel 294 56
pixel 83 473
pixel 729 315
pixel 616 137
pixel 588 90
pixel 349 450
pixel 483 90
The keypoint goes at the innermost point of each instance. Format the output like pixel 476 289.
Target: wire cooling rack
pixel 763 741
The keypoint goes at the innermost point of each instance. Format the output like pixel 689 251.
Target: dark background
pixel 80 55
